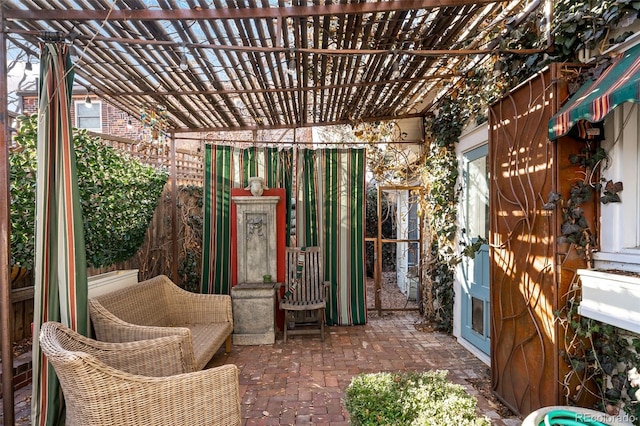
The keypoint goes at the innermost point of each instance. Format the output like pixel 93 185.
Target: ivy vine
pixel 190 202
pixel 118 196
pixel 440 178
pixel 603 361
pixel 575 228
pixel 577 25
pixel 586 24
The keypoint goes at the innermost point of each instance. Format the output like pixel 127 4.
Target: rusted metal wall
pixel 531 272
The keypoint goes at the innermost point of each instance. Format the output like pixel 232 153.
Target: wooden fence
pixel 22 301
pixel 189 163
pixel 156 255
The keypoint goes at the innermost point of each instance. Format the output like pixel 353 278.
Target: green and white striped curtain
pixel 227 167
pixel 330 211
pixel 60 260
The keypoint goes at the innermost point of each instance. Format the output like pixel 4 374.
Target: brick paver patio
pixel 303 381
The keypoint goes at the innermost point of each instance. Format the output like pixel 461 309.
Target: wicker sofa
pixel 146 382
pixel 156 308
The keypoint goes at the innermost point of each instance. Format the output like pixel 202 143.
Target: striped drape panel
pixel 227 167
pixel 60 259
pixel 308 182
pixel 330 213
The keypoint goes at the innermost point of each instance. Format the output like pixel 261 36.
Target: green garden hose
pixel 568 418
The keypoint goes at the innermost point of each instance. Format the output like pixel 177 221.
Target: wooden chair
pixel 146 382
pixel 306 292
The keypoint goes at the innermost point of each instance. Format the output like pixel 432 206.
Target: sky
pixel 19 80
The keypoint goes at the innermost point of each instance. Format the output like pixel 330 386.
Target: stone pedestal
pixel 256 237
pixel 254 301
pixel 254 313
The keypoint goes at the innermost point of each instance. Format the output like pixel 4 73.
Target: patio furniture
pixel 306 292
pixel 114 383
pixel 157 307
pixel 168 353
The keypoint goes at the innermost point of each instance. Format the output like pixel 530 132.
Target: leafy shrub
pixel 410 398
pixel 22 187
pixel 118 197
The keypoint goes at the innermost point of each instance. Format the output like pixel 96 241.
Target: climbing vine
pixel 190 202
pixel 603 361
pixel 387 158
pixel 440 179
pixel 585 24
pixel 575 227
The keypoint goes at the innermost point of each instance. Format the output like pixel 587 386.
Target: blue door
pixel 475 288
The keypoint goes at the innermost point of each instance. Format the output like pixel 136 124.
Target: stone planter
pixel 611 297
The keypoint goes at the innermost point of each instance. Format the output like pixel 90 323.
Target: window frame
pixel 619 231
pixel 95 105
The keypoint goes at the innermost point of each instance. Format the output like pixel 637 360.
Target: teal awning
pixel 618 84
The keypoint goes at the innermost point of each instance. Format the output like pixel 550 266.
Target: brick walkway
pixel 302 381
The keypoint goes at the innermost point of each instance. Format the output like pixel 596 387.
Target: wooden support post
pixel 377 275
pixel 5 219
pixel 174 212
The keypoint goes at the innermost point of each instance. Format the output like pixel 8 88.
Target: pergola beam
pixel 280 49
pixel 287 89
pixel 198 14
pixel 297 125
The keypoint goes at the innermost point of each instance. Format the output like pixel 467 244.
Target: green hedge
pixel 410 398
pixel 118 196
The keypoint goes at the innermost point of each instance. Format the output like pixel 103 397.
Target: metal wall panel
pixel 530 270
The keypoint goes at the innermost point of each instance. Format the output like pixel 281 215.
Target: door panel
pixel 475 288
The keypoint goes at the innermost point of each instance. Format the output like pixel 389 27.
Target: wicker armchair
pixel 157 307
pixel 97 393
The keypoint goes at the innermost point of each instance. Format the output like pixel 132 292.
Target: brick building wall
pixel 114 121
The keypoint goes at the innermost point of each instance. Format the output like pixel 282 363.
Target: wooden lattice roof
pixel 249 64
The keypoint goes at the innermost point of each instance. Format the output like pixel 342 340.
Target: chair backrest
pixel 97 394
pixel 163 356
pixel 304 274
pixel 80 374
pixel 145 303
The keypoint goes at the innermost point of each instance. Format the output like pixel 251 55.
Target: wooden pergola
pixel 246 65
pixel 249 65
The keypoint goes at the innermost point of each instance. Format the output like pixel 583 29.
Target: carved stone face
pixel 256 186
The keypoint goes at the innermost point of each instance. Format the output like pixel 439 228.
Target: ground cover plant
pixel 410 398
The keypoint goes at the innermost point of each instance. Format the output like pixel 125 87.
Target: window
pixel 620 222
pixel 89 117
